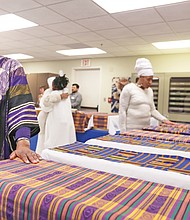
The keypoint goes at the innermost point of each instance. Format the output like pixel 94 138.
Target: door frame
pixel 74 69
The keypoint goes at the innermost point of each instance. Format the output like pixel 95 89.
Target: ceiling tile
pixel 87 36
pixel 175 12
pixel 100 23
pixel 129 41
pixel 49 2
pixel 143 30
pixel 18 5
pixel 76 46
pixel 183 35
pixel 134 18
pixel 67 27
pixel 115 49
pixel 61 39
pixel 101 43
pixel 2 12
pixel 78 9
pixel 39 31
pixel 42 16
pixel 160 37
pixel 36 42
pixel 116 33
pixel 17 44
pixel 180 26
pixel 55 47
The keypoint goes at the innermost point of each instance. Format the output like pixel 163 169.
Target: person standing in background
pixel 41 92
pixel 136 101
pixel 56 120
pixel 117 87
pixel 18 120
pixel 76 97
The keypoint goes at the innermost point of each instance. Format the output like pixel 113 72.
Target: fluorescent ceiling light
pixel 18 56
pixel 172 44
pixel 113 6
pixel 13 22
pixel 83 51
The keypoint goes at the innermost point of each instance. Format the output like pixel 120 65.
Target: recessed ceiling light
pixel 18 56
pixel 13 22
pixel 172 44
pixel 113 6
pixel 83 51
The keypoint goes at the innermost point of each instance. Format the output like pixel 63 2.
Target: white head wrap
pixel 61 73
pixel 50 81
pixel 143 67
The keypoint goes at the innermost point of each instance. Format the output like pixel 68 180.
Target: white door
pixel 89 82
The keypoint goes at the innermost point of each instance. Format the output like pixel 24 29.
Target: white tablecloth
pixel 124 169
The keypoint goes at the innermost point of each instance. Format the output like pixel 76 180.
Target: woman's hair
pixel 60 82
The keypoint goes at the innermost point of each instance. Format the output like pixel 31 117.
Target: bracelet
pixel 22 138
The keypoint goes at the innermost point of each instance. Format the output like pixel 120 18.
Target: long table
pixel 152 164
pixel 55 191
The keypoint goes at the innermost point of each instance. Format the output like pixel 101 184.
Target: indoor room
pixel 95 109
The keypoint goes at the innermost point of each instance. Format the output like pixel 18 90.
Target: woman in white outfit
pixel 56 120
pixel 136 100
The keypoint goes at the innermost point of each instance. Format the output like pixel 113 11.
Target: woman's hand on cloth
pixel 24 153
pixel 168 122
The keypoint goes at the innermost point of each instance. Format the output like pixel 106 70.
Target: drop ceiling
pixel 73 24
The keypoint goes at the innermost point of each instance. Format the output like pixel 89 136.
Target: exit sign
pixel 85 62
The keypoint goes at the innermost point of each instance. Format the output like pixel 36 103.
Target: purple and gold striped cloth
pixel 152 135
pixel 150 160
pixel 143 141
pixel 177 125
pixel 174 129
pixel 53 191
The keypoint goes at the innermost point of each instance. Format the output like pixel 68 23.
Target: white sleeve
pixel 123 107
pixel 53 97
pixel 49 99
pixel 155 113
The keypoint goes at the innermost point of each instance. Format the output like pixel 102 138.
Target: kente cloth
pixel 54 191
pixel 17 106
pixel 81 121
pixel 100 120
pixel 152 135
pixel 169 129
pixel 149 160
pixel 177 125
pixel 143 141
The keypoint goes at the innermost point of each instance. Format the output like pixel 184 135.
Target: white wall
pixel 110 67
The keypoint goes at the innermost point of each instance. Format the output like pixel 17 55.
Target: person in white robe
pixel 136 100
pixel 55 120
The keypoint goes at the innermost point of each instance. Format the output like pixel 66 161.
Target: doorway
pixel 89 80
